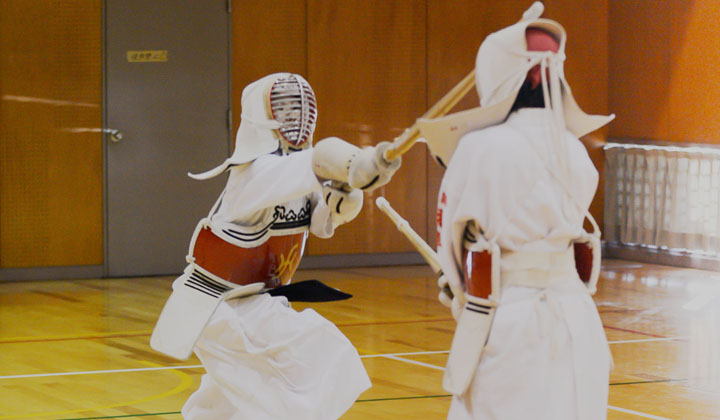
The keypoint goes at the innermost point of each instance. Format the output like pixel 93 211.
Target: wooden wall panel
pixel 50 143
pixel 267 38
pixel 375 72
pixel 366 62
pixel 586 70
pixel 455 31
pixel 664 63
pixel 586 66
pixel 375 66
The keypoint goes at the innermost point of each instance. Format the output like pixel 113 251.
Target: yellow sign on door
pixel 147 56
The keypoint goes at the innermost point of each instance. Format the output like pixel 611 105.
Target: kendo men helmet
pixel 279 113
pixel 502 65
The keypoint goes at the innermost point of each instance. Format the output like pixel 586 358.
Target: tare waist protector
pixel 267 252
pixel 273 262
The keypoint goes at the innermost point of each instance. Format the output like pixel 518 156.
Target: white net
pixel 663 197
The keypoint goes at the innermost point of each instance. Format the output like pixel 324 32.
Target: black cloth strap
pixel 309 291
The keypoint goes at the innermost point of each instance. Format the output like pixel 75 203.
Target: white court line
pixel 94 372
pixel 414 362
pixel 700 301
pixel 638 340
pixel 417 353
pixel 637 413
pixel 648 340
pixel 393 356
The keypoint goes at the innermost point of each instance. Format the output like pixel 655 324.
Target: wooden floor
pixel 78 349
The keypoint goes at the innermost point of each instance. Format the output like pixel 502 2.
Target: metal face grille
pixel 292 103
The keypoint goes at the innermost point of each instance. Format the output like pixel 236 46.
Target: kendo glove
pixel 455 302
pixel 446 295
pixel 369 169
pixel 344 203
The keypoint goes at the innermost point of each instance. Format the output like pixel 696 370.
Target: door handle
pixel 115 134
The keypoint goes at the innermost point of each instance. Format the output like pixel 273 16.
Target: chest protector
pixel 267 253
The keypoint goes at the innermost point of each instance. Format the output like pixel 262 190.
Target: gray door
pixel 167 93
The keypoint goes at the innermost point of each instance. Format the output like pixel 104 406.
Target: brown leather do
pixel 583 260
pixel 477 273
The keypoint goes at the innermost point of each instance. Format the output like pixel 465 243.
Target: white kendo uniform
pixel 518 187
pixel 547 356
pixel 263 359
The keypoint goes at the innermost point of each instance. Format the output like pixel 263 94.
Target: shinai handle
pixel 407 139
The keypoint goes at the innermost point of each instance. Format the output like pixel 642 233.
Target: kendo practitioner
pixel 529 343
pixel 264 360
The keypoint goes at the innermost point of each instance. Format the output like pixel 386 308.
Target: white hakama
pixel 265 360
pixel 546 358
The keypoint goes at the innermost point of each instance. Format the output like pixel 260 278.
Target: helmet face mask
pixel 291 102
pixel 279 113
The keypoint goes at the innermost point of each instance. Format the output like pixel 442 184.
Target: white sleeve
pixel 451 190
pixel 478 186
pixel 267 181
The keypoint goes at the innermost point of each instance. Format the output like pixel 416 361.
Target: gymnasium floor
pixel 78 349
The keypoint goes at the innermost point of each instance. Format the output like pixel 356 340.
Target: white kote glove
pixel 454 301
pixel 369 169
pixel 366 169
pixel 344 203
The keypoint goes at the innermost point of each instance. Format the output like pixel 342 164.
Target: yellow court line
pixel 363 352
pixel 118 334
pixel 185 382
pixel 391 321
pixel 121 334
